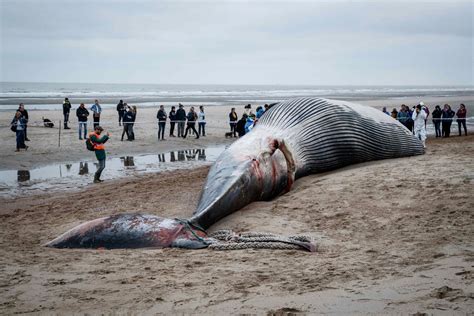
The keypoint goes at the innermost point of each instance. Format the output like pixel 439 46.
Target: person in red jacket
pixel 461 114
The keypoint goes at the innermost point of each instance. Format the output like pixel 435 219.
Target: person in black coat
pixel 436 115
pixel 240 128
pixel 173 119
pixel 121 111
pixel 127 120
pixel 447 119
pixel 24 114
pixel 82 115
pixel 161 116
pixel 192 117
pixel 66 111
pixel 181 119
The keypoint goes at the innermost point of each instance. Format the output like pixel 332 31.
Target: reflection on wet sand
pixel 23 175
pixel 114 168
pixel 128 161
pixel 83 168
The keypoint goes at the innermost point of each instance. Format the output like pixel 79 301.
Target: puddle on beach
pixel 74 175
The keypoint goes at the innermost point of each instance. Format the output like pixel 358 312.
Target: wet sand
pixel 394 236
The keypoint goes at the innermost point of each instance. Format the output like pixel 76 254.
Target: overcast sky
pixel 223 42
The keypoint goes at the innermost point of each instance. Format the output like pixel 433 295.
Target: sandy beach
pixel 393 236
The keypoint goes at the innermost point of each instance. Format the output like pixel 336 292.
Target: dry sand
pixel 395 236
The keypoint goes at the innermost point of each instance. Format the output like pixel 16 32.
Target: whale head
pixel 258 166
pixel 131 231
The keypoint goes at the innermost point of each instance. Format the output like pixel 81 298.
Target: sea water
pixel 50 95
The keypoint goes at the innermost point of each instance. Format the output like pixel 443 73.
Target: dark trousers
pixel 100 168
pixel 120 114
pixel 202 129
pixel 191 126
pixel 131 133
pixel 232 128
pixel 463 123
pixel 20 139
pixel 26 132
pixel 437 125
pixel 446 128
pixel 96 121
pixel 161 130
pixel 126 130
pixel 66 119
pixel 172 124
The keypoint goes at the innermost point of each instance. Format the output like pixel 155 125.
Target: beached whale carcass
pixel 293 139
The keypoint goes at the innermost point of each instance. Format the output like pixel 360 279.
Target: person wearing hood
pixel 419 128
pixel 447 119
pixel 436 116
pixel 66 111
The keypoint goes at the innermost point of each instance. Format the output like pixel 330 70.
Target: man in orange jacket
pixel 99 149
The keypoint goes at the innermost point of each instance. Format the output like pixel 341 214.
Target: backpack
pixel 89 145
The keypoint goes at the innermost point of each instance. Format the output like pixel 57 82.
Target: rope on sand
pixel 228 240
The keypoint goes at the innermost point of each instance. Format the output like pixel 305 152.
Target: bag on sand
pixel 89 145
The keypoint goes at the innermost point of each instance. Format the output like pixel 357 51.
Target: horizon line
pixel 246 84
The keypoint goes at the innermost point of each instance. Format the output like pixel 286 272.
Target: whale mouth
pixel 132 231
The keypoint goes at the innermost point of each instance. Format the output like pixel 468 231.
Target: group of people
pixel 126 117
pixel 247 121
pixel 180 118
pixel 442 119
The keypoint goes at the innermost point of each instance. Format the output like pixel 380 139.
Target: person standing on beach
pixel 96 110
pixel 98 142
pixel 233 121
pixel 419 117
pixel 134 117
pixel 240 126
pixel 201 122
pixel 66 111
pixel 402 115
pixel 181 118
pixel 82 115
pixel 24 114
pixel 410 122
pixel 437 120
pixel 172 117
pixel 121 111
pixel 18 125
pixel 384 110
pixel 461 114
pixel 192 116
pixel 446 120
pixel 127 121
pixel 427 111
pixel 161 116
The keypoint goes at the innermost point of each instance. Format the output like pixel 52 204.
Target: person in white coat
pixel 419 117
